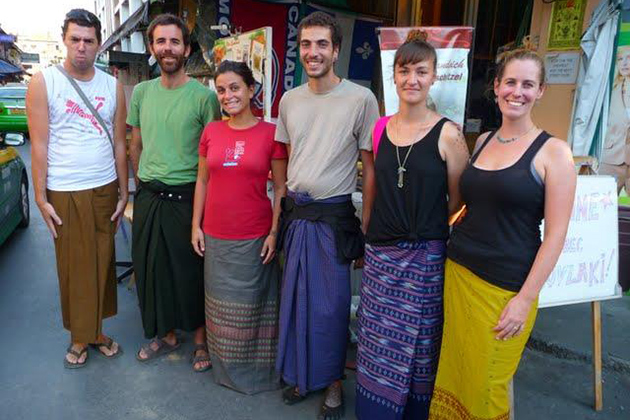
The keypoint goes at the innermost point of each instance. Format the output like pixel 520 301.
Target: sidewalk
pixel 566 332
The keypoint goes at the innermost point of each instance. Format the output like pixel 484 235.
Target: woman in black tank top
pixel 418 161
pixel 496 263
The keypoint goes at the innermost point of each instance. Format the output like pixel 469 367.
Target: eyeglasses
pixel 81 14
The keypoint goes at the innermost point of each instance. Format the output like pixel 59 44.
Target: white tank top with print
pixel 80 155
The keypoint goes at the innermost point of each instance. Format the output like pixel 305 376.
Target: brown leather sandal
pixel 194 359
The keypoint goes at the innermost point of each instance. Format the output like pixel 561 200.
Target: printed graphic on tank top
pixel 80 154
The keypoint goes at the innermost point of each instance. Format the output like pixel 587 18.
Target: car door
pixel 9 186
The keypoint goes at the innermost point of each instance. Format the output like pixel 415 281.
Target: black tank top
pixel 499 236
pixel 418 210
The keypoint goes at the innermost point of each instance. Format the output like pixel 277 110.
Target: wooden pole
pixel 597 354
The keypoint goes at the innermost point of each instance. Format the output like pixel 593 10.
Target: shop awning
pixel 7 68
pixel 123 57
pixel 129 26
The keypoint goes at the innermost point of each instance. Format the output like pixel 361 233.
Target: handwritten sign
pixel 562 68
pixel 588 267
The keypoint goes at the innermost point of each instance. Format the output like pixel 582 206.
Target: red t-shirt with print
pixel 238 162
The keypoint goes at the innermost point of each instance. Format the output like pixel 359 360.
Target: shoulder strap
pixel 439 126
pixel 537 144
pixel 379 127
pixel 485 142
pixel 87 101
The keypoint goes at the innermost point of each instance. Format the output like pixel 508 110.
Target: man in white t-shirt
pixel 79 171
pixel 326 125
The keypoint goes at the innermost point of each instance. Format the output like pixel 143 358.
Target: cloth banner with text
pixel 449 92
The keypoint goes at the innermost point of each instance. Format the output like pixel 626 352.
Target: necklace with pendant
pixel 511 139
pixel 401 166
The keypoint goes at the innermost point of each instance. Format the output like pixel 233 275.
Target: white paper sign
pixel 588 267
pixel 562 68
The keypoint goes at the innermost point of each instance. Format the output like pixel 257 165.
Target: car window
pixel 16 93
pixel 13 97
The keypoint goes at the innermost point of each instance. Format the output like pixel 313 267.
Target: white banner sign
pixel 588 267
pixel 448 94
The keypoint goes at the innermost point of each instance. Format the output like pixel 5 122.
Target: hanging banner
pixel 588 267
pixel 449 92
pixel 565 27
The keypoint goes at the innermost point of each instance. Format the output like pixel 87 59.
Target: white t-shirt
pixel 80 155
pixel 326 132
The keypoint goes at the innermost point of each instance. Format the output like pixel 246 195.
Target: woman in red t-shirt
pixel 234 228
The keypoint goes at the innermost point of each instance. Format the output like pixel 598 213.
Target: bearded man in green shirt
pixel 168 115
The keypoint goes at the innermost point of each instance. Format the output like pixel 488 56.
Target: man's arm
pixel 135 150
pixel 133 119
pixel 37 112
pixel 120 152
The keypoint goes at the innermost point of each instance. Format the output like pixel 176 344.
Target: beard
pixel 171 68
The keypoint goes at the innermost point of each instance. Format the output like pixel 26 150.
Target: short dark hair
pixel 238 68
pixel 83 18
pixel 166 19
pixel 324 20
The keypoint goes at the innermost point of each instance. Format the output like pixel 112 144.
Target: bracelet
pixel 273 233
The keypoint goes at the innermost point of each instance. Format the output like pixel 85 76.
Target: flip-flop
pixel 108 343
pixel 194 359
pixel 69 365
pixel 291 396
pixel 163 349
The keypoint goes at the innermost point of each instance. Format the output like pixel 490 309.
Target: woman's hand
pixel 198 241
pixel 268 249
pixel 513 318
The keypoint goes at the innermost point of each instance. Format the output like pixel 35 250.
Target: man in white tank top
pixel 80 182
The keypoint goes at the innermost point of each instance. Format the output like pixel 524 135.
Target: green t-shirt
pixel 171 122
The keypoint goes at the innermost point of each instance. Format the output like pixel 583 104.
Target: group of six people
pixel 206 237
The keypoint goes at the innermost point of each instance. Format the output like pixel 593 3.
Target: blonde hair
pixel 618 77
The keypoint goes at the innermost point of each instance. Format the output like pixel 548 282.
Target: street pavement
pixel 554 380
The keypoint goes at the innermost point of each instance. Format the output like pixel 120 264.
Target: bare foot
pixel 332 407
pixel 333 395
